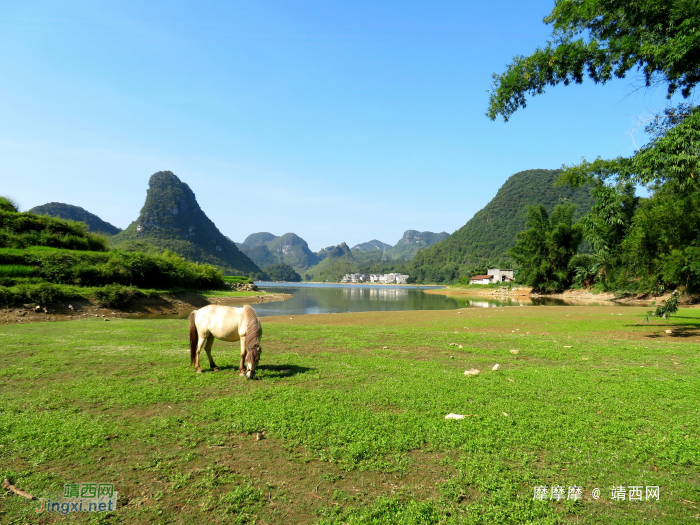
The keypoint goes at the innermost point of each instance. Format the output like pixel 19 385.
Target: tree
pixel 601 40
pixel 282 272
pixel 605 39
pixel 543 251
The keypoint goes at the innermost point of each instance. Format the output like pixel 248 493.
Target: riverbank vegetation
pixel 45 260
pixel 347 422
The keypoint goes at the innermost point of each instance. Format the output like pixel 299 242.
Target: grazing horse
pixel 227 324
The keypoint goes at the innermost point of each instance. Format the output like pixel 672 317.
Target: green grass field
pixel 352 408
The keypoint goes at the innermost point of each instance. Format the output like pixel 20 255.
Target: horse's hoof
pixel 241 374
pixel 199 370
pixel 215 369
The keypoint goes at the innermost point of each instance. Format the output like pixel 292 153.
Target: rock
pixel 70 307
pixel 471 372
pixel 453 344
pixel 669 331
pixel 505 414
pixel 459 346
pixel 454 416
pixel 106 319
pixel 515 352
pixel 568 347
pixel 496 367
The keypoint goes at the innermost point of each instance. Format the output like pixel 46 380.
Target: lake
pixel 317 298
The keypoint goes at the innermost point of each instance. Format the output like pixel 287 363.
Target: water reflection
pixel 314 298
pixel 350 298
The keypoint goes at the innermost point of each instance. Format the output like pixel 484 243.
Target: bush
pixel 114 295
pixel 164 271
pixel 21 230
pixel 8 204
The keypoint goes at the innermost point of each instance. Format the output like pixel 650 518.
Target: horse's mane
pixel 253 332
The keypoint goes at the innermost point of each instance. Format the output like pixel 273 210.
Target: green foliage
pixel 606 40
pixel 237 279
pixel 114 295
pixel 492 231
pixel 650 245
pixel 16 270
pixel 20 230
pixel 282 272
pixel 77 214
pixel 663 242
pixel 544 251
pixel 666 308
pixel 163 271
pixel 8 204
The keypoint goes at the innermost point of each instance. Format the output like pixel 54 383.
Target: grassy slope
pixel 353 407
pixel 76 213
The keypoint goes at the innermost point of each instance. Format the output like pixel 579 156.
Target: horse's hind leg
pixel 203 338
pixel 207 347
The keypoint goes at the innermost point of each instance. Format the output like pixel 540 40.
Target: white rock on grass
pixel 496 367
pixel 454 416
pixel 471 372
pixel 515 352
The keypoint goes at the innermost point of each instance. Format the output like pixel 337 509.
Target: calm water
pixel 312 298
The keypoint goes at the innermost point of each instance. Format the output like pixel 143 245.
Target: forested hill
pixel 488 235
pixel 78 214
pixel 172 219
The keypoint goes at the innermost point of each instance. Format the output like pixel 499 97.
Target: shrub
pixel 8 204
pixel 114 295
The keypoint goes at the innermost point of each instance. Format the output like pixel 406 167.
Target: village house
pixel 493 276
pixel 389 278
pixel 355 278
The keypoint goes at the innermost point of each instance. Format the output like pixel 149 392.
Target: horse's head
pixel 252 360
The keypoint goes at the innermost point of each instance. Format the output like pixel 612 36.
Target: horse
pixel 227 324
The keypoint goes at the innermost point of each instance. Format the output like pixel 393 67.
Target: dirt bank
pixel 166 304
pixel 571 295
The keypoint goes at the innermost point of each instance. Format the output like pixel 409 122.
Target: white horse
pixel 227 324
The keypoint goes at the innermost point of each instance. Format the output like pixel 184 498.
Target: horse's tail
pixel 194 338
pixel 253 333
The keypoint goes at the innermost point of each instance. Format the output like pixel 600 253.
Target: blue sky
pixel 337 121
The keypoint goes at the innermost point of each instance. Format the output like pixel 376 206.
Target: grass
pixel 352 407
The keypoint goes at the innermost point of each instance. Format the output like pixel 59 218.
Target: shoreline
pixel 570 295
pixel 165 304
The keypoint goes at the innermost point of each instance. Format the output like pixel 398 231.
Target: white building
pixel 493 276
pixel 389 278
pixel 355 278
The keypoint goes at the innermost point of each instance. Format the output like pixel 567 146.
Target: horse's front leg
pixel 207 347
pixel 241 367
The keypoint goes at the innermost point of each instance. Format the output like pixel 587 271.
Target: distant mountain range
pixel 172 219
pixel 76 213
pixel 492 231
pixel 266 249
pixel 407 247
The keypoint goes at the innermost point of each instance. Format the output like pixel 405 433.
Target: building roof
pixel 479 277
